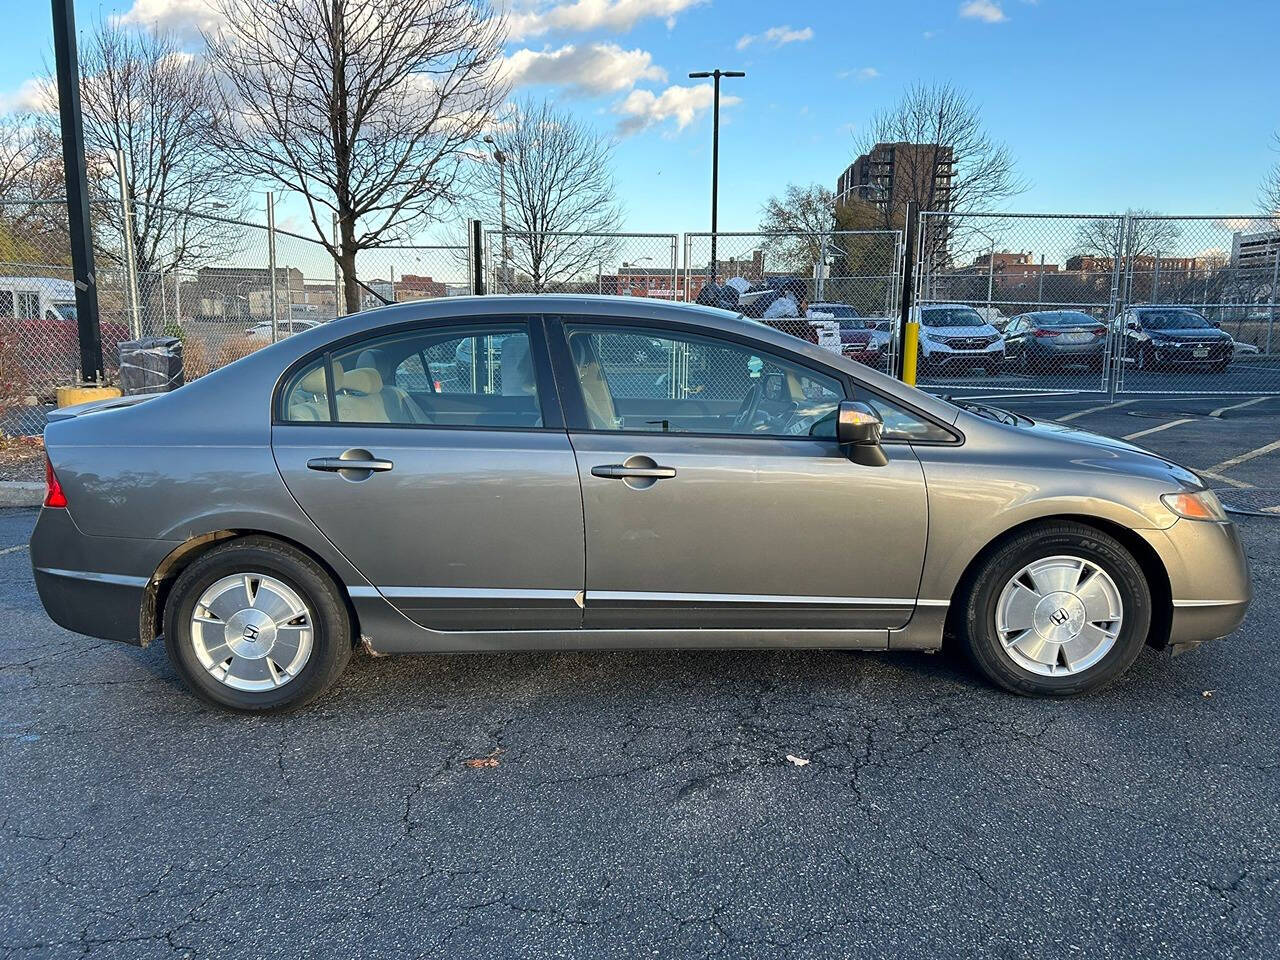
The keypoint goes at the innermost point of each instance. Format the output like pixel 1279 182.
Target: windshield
pixel 951 317
pixel 68 310
pixel 1172 320
pixel 1064 318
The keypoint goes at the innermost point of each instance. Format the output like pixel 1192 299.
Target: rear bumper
pixel 92 585
pixel 1209 579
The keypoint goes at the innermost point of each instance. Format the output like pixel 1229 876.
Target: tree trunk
pixel 347 261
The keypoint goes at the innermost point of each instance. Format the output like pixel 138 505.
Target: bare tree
pixel 363 107
pixel 1102 237
pixel 950 161
pixel 144 96
pixel 1269 193
pixel 558 180
pixel 808 214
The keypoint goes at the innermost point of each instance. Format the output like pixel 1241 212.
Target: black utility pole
pixel 64 52
pixel 907 301
pixel 715 152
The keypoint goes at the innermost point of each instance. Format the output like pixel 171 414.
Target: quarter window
pixel 655 380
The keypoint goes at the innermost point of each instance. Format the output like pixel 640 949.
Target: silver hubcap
pixel 252 632
pixel 1059 616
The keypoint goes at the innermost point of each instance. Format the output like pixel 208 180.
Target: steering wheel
pixel 744 419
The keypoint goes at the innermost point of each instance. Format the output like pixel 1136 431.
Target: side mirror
pixel 858 425
pixel 1132 325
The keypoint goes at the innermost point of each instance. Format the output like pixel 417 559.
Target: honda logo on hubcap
pixel 1060 616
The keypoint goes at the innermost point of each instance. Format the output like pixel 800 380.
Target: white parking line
pixel 1163 426
pixel 1088 410
pixel 1236 461
pixel 1229 481
pixel 1236 406
pixel 21 546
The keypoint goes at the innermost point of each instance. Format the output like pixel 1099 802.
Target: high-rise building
pixel 894 173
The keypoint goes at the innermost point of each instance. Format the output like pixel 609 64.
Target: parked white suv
pixel 954 336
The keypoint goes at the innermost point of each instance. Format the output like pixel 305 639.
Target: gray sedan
pixel 621 473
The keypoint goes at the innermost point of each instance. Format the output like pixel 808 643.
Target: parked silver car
pixel 357 484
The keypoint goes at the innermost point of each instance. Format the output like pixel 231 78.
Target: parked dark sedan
pixel 1053 340
pixel 1174 337
pixel 338 488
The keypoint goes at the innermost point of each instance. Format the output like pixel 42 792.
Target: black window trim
pixel 575 408
pixel 548 395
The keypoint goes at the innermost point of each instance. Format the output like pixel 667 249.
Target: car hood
pixel 1141 459
pixel 1191 333
pixel 985 330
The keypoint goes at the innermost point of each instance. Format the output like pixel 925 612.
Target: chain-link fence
pixel 1017 301
pixel 851 277
pixel 1199 306
pixel 1014 302
pixel 618 264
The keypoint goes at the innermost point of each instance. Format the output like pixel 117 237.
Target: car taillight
pixel 1099 331
pixel 53 495
pixel 1046 333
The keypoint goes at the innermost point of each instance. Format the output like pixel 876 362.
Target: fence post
pixel 271 264
pixel 130 264
pixel 1113 364
pixel 475 256
pixel 906 328
pixel 1275 278
pixel 73 165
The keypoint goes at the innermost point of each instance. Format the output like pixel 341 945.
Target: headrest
pixel 364 380
pixel 314 381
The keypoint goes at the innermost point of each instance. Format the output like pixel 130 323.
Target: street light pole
pixel 715 150
pixel 501 157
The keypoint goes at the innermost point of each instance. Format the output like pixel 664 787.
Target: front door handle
pixel 618 471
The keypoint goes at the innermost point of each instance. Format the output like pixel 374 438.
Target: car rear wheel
pixel 256 625
pixel 1061 609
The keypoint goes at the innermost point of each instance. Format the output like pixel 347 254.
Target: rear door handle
pixel 337 464
pixel 618 471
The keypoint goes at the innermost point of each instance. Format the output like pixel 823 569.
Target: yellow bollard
pixel 910 351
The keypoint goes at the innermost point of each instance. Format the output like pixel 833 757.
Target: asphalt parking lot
pixel 644 804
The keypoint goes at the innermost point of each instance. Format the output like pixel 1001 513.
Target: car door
pixel 715 495
pixel 452 488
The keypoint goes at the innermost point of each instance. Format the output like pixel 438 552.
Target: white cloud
pixel 587 70
pixel 614 15
pixel 186 18
pixel 35 95
pixel 776 36
pixel 643 108
pixel 988 11
pixel 862 73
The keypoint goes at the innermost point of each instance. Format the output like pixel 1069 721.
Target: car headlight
pixel 1201 505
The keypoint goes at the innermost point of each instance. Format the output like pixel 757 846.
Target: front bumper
pixel 1216 352
pixel 1209 581
pixel 92 585
pixel 939 353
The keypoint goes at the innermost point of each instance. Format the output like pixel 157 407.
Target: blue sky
pixel 1167 105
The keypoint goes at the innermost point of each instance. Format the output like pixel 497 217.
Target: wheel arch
pixel 156 595
pixel 1148 560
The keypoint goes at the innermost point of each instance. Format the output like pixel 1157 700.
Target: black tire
pixel 1145 361
pixel 331 624
pixel 1053 539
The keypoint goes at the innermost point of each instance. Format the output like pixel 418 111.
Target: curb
pixel 19 493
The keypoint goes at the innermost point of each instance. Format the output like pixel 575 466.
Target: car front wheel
pixel 1060 609
pixel 256 625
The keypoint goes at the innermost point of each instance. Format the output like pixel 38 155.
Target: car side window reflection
pixel 656 380
pixel 901 424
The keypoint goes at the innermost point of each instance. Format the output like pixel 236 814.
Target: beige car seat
pixel 595 389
